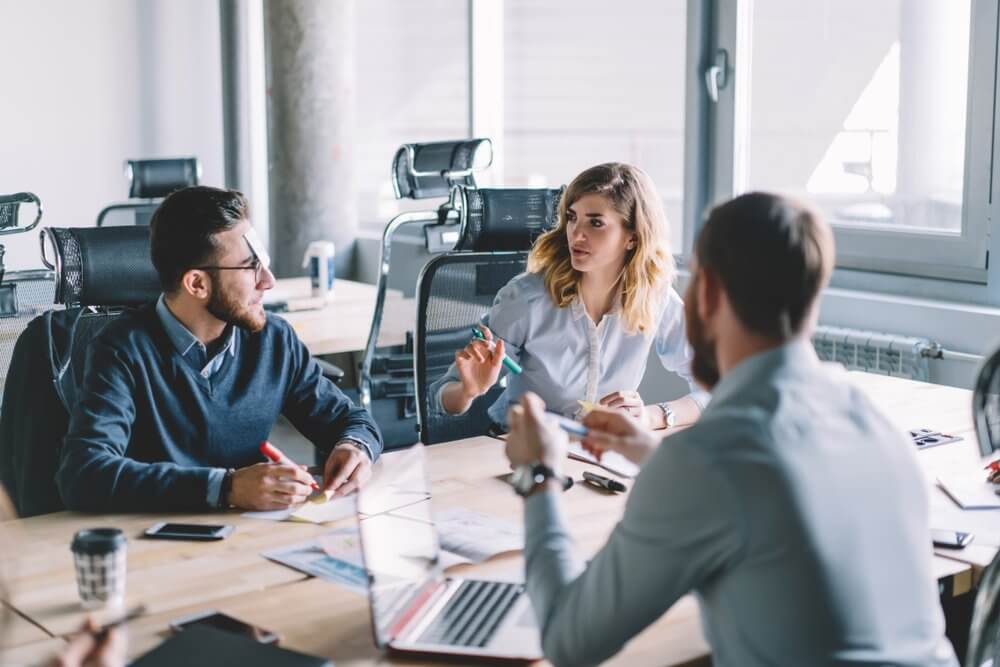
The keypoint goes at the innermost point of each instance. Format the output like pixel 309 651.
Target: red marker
pixel 277 456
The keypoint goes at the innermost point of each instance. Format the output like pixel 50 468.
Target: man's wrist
pixel 357 444
pixel 226 490
pixel 550 485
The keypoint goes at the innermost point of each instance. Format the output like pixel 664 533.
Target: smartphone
pixel 188 531
pixel 951 539
pixel 225 622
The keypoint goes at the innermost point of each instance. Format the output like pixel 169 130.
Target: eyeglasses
pixel 255 265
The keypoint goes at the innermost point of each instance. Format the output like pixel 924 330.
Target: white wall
pixel 87 85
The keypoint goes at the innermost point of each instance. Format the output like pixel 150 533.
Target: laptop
pixel 414 607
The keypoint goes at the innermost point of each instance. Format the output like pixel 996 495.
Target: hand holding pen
pixel 100 646
pixel 480 361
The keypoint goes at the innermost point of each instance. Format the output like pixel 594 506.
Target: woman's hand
pixel 616 431
pixel 628 401
pixel 479 364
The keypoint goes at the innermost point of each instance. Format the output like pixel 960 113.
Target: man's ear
pixel 196 283
pixel 709 294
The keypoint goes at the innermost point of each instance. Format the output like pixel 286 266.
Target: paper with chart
pixel 475 535
pixel 335 556
pixel 610 461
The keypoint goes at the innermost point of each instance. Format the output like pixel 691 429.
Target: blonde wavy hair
pixel 649 267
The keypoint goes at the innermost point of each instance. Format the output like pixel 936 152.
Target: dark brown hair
pixel 183 227
pixel 773 255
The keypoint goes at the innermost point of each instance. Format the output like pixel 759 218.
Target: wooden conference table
pixel 175 579
pixel 342 323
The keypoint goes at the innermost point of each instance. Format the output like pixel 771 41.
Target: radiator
pixel 874 352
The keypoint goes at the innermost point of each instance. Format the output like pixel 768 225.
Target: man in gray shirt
pixel 793 509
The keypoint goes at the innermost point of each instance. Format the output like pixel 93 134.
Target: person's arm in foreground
pixel 677 530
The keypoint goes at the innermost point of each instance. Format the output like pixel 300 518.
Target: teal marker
pixel 507 361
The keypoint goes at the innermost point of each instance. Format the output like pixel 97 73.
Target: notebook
pixel 971 492
pixel 610 461
pixel 202 646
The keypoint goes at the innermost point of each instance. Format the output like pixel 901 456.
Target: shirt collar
pixel 797 353
pixel 181 337
pixel 578 310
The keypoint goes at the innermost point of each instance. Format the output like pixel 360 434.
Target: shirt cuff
pixel 701 398
pixel 364 446
pixel 215 477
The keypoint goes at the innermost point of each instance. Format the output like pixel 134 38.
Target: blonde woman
pixel 597 295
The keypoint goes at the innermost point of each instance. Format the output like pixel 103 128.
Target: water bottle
pixel 319 260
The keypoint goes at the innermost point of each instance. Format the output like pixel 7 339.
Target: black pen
pixel 605 483
pixel 101 633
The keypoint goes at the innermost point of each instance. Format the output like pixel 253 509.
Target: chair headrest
pixel 158 178
pixel 422 171
pixel 986 405
pixel 10 207
pixel 101 266
pixel 506 218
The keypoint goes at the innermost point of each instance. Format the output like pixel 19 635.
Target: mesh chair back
pixel 422 171
pixel 127 215
pixel 454 292
pixel 986 405
pixel 506 218
pixel 150 179
pixel 102 266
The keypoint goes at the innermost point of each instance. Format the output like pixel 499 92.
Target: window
pixel 412 86
pixel 590 82
pixel 878 113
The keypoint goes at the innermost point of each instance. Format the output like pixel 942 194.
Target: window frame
pixel 897 261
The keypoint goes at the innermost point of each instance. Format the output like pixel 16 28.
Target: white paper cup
pixel 99 555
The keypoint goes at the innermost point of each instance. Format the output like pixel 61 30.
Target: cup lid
pixel 98 540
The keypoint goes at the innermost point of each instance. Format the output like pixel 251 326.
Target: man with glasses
pixel 178 395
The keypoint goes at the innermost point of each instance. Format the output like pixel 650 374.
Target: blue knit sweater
pixel 149 430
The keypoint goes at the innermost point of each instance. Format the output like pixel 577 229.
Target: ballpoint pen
pixel 570 426
pixel 605 483
pixel 511 365
pixel 102 632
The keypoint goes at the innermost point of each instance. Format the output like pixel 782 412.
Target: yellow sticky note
pixel 587 406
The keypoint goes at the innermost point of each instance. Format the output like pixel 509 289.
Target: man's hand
pixel 88 649
pixel 616 431
pixel 347 469
pixel 270 486
pixel 533 437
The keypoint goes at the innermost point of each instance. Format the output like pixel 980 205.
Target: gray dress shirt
pixel 793 509
pixel 567 358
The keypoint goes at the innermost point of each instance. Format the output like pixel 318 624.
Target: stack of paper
pixel 970 491
pixel 610 461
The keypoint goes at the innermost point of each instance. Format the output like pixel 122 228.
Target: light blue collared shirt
pixel 196 353
pixel 795 511
pixel 567 358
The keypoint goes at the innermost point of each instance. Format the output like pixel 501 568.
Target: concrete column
pixel 311 126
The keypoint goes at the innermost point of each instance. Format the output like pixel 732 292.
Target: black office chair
pixel 419 171
pixel 149 182
pixel 98 274
pixel 984 631
pixel 498 227
pixel 986 405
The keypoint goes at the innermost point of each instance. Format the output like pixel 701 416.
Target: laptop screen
pixel 399 546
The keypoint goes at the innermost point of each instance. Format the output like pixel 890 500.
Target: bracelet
pixel 669 416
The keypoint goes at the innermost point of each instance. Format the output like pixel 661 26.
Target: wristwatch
pixel 226 489
pixel 527 477
pixel 669 416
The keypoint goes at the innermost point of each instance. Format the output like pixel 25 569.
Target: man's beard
pixel 231 311
pixel 704 366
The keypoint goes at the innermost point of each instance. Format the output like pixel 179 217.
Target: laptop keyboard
pixel 473 614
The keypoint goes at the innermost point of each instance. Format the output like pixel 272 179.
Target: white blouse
pixel 566 357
